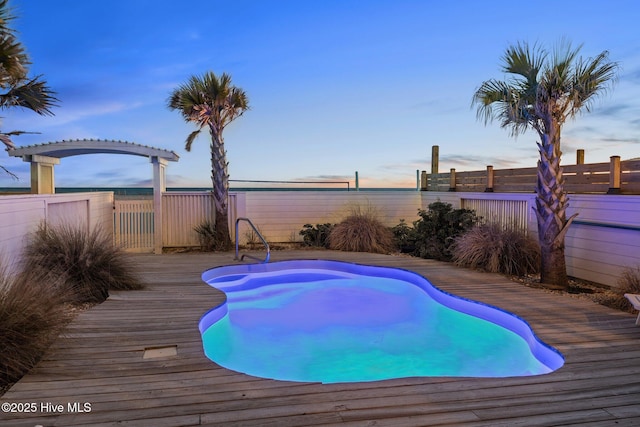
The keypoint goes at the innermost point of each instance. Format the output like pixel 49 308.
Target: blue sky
pixel 334 86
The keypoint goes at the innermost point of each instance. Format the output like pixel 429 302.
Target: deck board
pixel 98 359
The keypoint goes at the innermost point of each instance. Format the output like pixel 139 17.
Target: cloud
pixel 437 107
pixel 325 178
pixel 612 110
pixel 340 181
pixel 97 110
pixel 474 161
pixel 193 35
pixel 576 130
pixel 632 76
pixel 183 181
pixel 622 140
pixel 408 167
pixel 67 116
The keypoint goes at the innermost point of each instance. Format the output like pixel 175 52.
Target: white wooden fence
pixel 181 213
pixel 602 241
pixel 280 215
pixel 20 215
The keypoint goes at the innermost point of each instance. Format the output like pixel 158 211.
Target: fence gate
pixel 133 225
pixel 510 214
pixel 181 212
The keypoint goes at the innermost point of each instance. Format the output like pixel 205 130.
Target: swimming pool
pixel 331 321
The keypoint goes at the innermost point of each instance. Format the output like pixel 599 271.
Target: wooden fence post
pixel 579 161
pixel 423 181
pixel 435 153
pixel 615 175
pixel 489 188
pixel 452 180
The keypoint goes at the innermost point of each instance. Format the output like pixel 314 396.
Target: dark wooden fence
pixel 615 177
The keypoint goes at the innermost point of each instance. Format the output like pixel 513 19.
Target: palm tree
pixel 209 101
pixel 543 91
pixel 16 89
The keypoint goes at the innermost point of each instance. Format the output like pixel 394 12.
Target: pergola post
pixel 159 187
pixel 42 177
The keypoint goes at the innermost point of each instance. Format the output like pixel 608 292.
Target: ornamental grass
pixel 491 247
pixel 87 262
pixel 628 283
pixel 32 314
pixel 362 231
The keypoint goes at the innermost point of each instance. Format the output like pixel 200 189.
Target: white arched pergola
pixel 43 157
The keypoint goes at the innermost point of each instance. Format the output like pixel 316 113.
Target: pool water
pixel 329 322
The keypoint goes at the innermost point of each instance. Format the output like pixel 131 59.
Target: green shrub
pixel 435 231
pixel 361 231
pixel 32 314
pixel 207 235
pixel 493 248
pixel 317 236
pixel 87 261
pixel 404 237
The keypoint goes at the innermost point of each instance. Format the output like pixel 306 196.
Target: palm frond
pixel 564 56
pixel 6 140
pixel 13 61
pixel 591 78
pixel 8 172
pixel 5 17
pixel 5 137
pixel 503 101
pixel 33 94
pixel 209 100
pixel 521 60
pixel 542 86
pixel 489 93
pixel 192 137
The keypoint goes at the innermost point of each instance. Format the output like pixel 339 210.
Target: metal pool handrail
pixel 264 242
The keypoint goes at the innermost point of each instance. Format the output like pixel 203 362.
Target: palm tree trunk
pixel 220 181
pixel 551 206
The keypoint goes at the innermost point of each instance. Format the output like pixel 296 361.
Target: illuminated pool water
pixel 330 321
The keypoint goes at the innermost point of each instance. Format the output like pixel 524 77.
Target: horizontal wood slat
pixel 99 360
pixel 582 178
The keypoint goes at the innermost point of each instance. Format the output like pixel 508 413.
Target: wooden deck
pixel 99 361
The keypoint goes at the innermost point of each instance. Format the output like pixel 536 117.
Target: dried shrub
pixel 211 237
pixel 361 231
pixel 496 249
pixel 628 283
pixel 32 314
pixel 87 262
pixel 207 236
pixel 252 237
